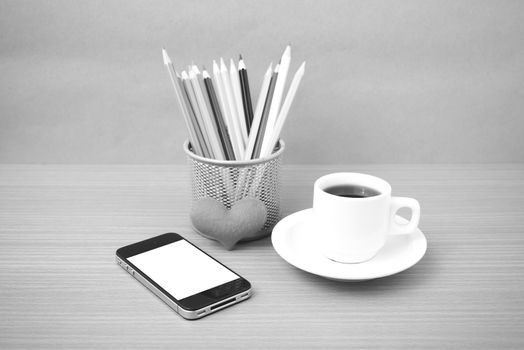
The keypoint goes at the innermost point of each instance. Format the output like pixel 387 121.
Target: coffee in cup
pixel 352 191
pixel 353 214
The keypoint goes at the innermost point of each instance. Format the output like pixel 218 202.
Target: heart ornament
pixel 212 219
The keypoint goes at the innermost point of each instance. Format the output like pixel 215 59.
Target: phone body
pixel 191 282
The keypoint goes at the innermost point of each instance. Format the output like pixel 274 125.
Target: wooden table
pixel 60 287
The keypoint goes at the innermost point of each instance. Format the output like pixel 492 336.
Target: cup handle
pixel 404 202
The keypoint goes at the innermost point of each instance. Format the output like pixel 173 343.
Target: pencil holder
pixel 235 201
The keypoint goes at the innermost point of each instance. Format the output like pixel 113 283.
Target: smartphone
pixel 188 280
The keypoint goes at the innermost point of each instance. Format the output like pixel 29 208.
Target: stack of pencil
pixel 218 109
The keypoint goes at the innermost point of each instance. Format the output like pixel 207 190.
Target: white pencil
pixel 277 95
pixel 232 107
pixel 258 113
pixel 211 131
pixel 284 111
pixel 185 111
pixel 224 104
pixel 237 93
pixel 196 111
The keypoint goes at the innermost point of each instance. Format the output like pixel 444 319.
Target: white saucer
pixel 294 241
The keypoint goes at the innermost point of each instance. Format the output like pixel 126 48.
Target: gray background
pixel 386 81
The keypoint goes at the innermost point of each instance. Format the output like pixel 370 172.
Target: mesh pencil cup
pixel 235 201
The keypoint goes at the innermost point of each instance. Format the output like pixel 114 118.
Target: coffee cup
pixel 353 215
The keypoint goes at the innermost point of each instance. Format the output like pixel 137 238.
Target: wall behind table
pixel 386 81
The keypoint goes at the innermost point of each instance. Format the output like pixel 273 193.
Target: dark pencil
pixel 219 119
pixel 246 94
pixel 263 123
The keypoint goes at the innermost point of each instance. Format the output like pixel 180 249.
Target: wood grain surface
pixel 60 288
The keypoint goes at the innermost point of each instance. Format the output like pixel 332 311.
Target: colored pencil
pixel 228 89
pixel 284 111
pixel 198 131
pixel 237 94
pixel 258 113
pixel 279 91
pixel 228 117
pixel 197 116
pixel 185 112
pixel 261 135
pixel 246 94
pixel 212 114
pixel 211 131
pixel 219 119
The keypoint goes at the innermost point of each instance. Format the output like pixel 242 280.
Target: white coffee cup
pixel 353 230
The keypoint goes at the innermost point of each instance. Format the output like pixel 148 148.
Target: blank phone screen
pixel 181 269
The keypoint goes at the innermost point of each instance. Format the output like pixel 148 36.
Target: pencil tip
pixel 241 64
pixel 287 51
pixel 222 64
pixel 223 67
pixel 269 70
pixel 167 60
pixel 240 55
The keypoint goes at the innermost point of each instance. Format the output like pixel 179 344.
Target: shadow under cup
pixel 353 215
